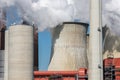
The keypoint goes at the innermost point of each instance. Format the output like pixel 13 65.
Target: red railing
pixel 61 75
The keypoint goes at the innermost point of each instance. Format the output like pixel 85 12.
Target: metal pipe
pixel 48 73
pixel 95 48
pixel 80 72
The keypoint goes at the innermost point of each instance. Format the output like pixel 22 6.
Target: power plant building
pixel 69 47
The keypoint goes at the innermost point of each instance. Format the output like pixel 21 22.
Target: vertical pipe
pixel 6 56
pixel 2 29
pixel 35 49
pixel 2 36
pixel 95 48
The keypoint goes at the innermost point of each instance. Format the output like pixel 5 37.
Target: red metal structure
pixel 112 69
pixel 61 75
pixel 111 72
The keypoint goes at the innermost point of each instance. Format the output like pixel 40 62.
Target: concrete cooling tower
pixel 111 45
pixel 69 47
pixel 20 58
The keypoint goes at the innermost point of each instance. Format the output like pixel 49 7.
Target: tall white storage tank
pixel 69 47
pixel 20 57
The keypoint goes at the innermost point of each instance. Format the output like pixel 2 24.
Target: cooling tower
pixel 69 47
pixel 6 56
pixel 20 57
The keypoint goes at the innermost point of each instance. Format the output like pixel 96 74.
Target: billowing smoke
pixel 49 13
pixel 111 15
pixel 2 18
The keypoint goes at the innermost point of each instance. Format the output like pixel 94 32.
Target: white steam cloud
pixel 49 13
pixel 111 15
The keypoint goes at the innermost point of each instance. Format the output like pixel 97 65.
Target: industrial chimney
pixel 95 47
pixel 35 49
pixel 20 57
pixel 2 29
pixel 69 47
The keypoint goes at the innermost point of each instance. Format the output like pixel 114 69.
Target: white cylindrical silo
pixel 95 70
pixel 20 57
pixel 6 56
pixel 69 47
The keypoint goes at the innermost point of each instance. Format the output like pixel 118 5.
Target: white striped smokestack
pixel 95 48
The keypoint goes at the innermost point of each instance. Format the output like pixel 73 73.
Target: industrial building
pixel 74 54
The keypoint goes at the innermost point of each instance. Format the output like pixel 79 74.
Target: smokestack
pixel 69 47
pixel 95 47
pixel 35 49
pixel 20 48
pixel 2 29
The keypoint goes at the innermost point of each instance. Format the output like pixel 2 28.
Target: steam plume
pixel 111 15
pixel 49 13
